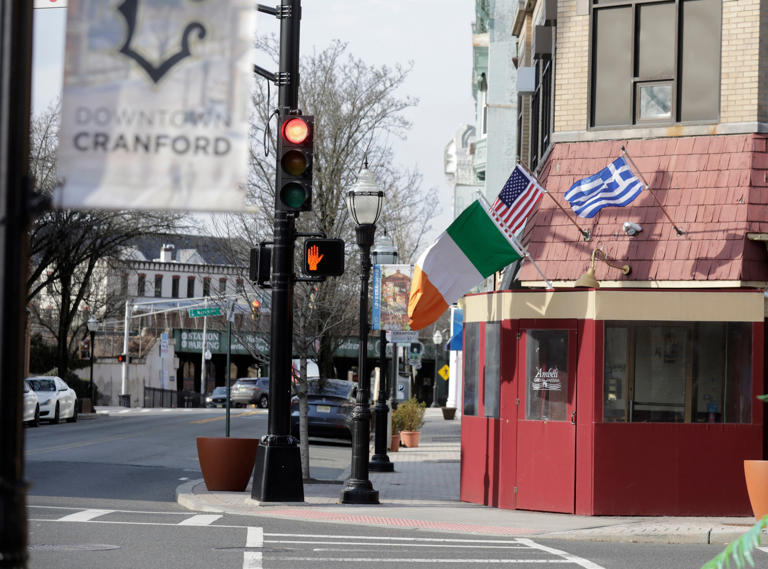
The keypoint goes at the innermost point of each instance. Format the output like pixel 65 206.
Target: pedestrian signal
pixel 323 257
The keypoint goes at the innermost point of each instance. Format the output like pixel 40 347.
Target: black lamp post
pixel 437 338
pixel 93 326
pixel 384 253
pixel 364 202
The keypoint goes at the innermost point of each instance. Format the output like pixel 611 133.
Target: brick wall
pixel 741 49
pixel 571 72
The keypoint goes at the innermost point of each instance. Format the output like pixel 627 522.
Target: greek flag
pixel 615 185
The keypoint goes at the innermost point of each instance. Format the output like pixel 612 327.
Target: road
pixel 102 495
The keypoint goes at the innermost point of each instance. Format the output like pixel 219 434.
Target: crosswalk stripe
pixel 200 520
pixel 84 516
pixel 252 560
pixel 586 563
pixel 254 537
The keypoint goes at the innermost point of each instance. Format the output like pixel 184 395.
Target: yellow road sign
pixel 444 372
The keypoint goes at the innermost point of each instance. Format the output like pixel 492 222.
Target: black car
pixel 217 398
pixel 330 407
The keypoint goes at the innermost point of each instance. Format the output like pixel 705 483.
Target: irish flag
pixel 471 249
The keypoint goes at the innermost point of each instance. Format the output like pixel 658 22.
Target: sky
pixel 435 35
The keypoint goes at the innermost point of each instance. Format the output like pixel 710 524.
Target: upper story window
pixel 190 287
pixel 141 285
pixel 206 286
pixel 158 285
pixel 655 62
pixel 175 286
pixel 223 286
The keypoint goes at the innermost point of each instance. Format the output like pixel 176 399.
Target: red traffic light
pixel 296 130
pixel 256 304
pixel 122 358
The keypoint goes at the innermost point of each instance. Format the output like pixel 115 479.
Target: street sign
pixel 402 336
pixel 208 355
pixel 445 372
pixel 207 311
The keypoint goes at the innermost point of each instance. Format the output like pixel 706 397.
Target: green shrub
pixel 409 416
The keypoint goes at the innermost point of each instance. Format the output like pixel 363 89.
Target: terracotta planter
pixel 395 445
pixel 226 462
pixel 410 439
pixel 756 475
pixel 448 413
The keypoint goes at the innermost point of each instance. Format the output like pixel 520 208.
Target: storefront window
pixel 546 375
pixel 471 366
pixel 678 372
pixel 492 361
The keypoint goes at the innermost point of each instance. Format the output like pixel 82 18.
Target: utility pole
pixel 277 473
pixel 15 211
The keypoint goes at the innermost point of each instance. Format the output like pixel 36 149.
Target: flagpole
pixel 647 187
pixel 516 245
pixel 584 232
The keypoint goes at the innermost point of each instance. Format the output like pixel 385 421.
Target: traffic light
pixel 323 257
pixel 255 309
pixel 294 163
pixel 260 267
pixel 122 358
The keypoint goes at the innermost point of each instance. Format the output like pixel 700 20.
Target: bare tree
pixel 67 246
pixel 358 113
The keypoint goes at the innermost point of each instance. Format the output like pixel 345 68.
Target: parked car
pixel 217 398
pixel 330 407
pixel 31 406
pixel 247 390
pixel 57 400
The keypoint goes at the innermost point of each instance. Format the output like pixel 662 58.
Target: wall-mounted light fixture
pixel 588 280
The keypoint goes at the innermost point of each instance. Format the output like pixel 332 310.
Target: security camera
pixel 631 228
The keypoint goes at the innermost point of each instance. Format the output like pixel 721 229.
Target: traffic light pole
pixel 277 473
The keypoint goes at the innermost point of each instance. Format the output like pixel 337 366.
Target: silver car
pixel 31 406
pixel 57 400
pixel 247 390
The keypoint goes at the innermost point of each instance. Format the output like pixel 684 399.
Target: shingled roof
pixel 714 188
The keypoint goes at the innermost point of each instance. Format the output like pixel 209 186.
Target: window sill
pixel 672 130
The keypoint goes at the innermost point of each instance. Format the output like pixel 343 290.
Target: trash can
pixel 124 400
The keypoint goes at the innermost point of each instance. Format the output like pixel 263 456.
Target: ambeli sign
pixel 155 105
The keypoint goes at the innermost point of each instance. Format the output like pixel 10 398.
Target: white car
pixel 31 406
pixel 57 400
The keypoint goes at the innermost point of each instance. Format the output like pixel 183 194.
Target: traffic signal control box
pixel 294 163
pixel 323 257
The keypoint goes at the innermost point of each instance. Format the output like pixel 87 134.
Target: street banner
pixel 155 105
pixel 390 301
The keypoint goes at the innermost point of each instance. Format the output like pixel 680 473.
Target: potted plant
pixel 409 416
pixel 448 413
pixel 397 428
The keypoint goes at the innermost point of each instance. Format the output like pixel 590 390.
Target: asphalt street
pixel 102 495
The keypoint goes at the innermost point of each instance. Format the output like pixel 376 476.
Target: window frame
pixel 675 80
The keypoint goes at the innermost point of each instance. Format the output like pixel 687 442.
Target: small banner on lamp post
pixel 155 105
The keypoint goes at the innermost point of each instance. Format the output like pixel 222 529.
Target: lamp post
pixel 437 338
pixel 364 202
pixel 383 253
pixel 93 326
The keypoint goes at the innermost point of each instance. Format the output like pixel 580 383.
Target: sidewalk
pixel 423 492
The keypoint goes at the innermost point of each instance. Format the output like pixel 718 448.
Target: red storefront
pixel 612 401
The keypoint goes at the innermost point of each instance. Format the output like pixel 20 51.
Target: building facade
pixel 638 394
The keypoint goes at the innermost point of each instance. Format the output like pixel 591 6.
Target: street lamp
pixel 93 327
pixel 437 338
pixel 383 253
pixel 364 202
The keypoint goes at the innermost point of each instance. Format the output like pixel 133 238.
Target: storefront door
pixel 546 427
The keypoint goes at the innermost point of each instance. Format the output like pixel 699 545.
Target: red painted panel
pixel 508 409
pixel 669 469
pixel 588 409
pixel 545 463
pixel 473 483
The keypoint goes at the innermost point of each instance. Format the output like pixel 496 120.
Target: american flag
pixel 516 200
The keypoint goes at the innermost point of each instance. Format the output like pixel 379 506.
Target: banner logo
pixel 129 10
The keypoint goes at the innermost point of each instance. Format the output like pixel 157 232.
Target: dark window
pixel 239 286
pixel 158 285
pixel 537 136
pixel 492 376
pixel 175 286
pixel 471 366
pixel 207 286
pixel 223 286
pixel 678 372
pixel 190 287
pixel 124 284
pixel 655 62
pixel 141 286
